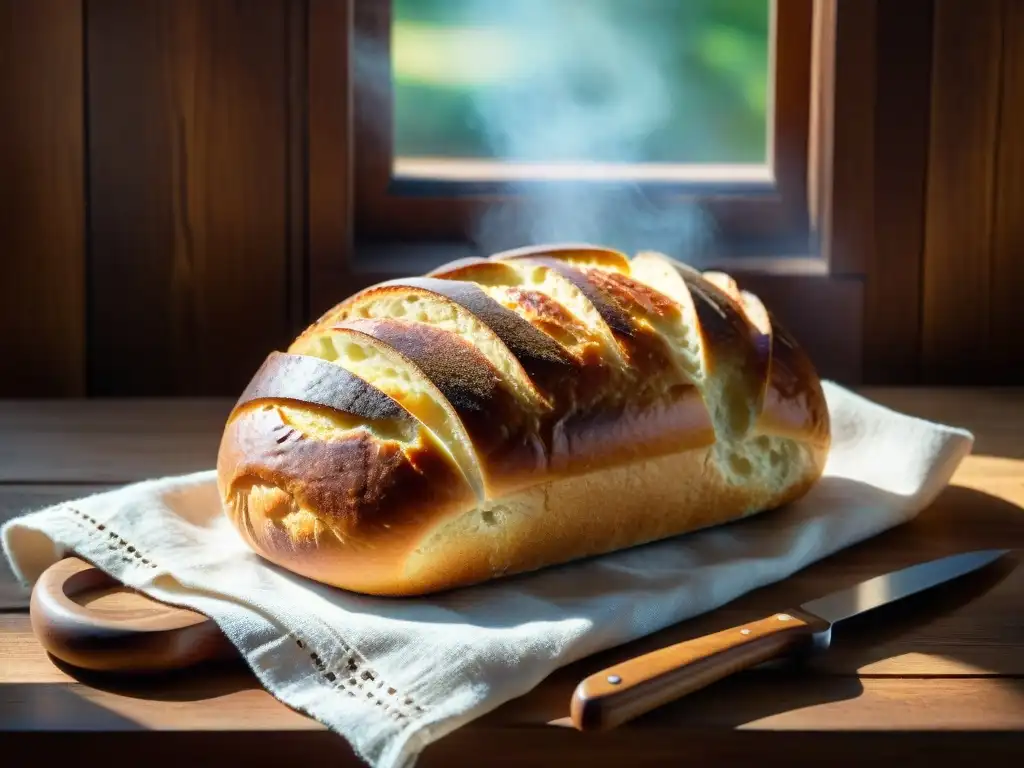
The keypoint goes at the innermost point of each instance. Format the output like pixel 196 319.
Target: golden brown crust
pixel 625 306
pixel 534 351
pixel 594 377
pixel 646 349
pixel 481 269
pixel 503 432
pixel 288 491
pixel 611 312
pixel 552 318
pixel 571 518
pixel 515 445
pixel 794 403
pixel 370 496
pixel 618 403
pixel 464 376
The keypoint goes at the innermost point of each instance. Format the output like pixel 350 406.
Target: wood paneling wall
pixel 170 169
pixel 189 211
pixel 1006 326
pixel 893 262
pixel 152 165
pixel 962 179
pixel 972 323
pixel 42 212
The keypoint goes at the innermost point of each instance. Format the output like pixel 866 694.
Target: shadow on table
pixel 204 681
pixel 46 706
pixel 57 724
pixel 961 519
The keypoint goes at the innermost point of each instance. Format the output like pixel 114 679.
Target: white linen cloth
pixel 392 676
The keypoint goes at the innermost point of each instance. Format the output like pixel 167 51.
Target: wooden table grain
pixel 938 676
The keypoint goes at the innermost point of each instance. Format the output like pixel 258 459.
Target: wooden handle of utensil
pixel 624 691
pixel 130 633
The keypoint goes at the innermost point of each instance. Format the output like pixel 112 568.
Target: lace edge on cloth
pixel 339 696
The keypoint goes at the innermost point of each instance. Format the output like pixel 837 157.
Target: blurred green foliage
pixel 469 72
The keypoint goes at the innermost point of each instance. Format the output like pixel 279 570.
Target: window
pixel 644 124
pixel 791 199
pixel 593 89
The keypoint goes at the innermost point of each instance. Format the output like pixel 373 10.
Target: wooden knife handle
pixel 627 690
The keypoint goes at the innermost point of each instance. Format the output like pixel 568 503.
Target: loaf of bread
pixel 500 415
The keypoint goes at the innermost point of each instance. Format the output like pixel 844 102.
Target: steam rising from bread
pixel 595 90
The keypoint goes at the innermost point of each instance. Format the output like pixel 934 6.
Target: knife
pixel 624 691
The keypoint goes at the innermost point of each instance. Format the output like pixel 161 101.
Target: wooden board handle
pixel 624 691
pixel 141 636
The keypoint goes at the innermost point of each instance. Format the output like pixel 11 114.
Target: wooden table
pixel 914 682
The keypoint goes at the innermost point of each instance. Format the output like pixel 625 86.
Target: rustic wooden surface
pixel 943 671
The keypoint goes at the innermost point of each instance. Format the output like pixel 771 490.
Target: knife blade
pixel 621 692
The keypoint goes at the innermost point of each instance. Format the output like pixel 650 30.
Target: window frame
pixel 852 297
pixel 752 217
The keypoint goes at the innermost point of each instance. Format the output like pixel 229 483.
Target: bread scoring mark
pixel 633 293
pixel 635 321
pixel 725 283
pixel 355 346
pixel 452 364
pixel 531 360
pixel 507 281
pixel 553 319
pixel 638 358
pixel 490 409
pixel 513 444
pixel 614 315
pixel 306 379
pixel 528 345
